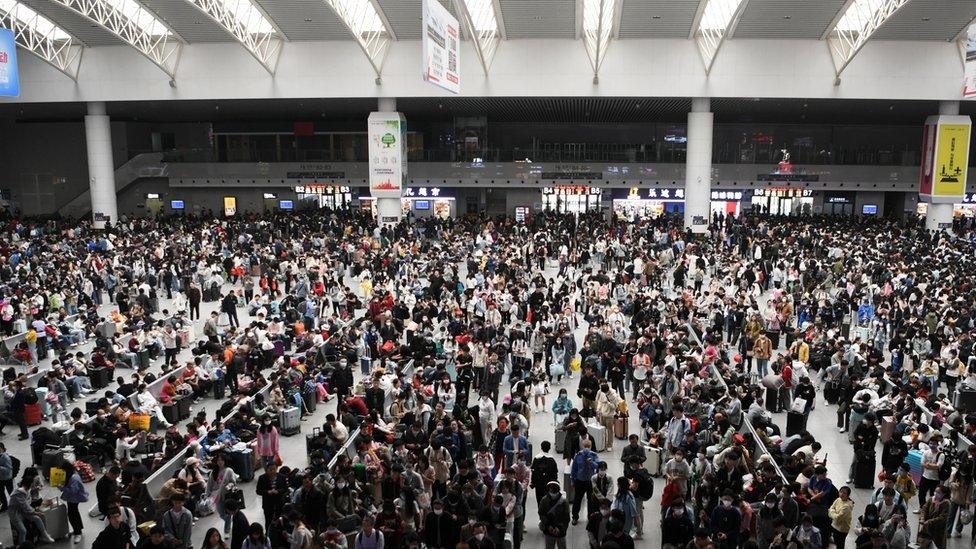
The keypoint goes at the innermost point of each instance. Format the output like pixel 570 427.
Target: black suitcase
pixel 171 412
pixel 795 423
pixel 314 441
pixel 218 389
pixel 864 470
pixel 772 400
pixel 242 463
pixel 144 358
pixel 51 457
pixel 99 377
pixel 965 400
pixel 831 392
pixel 311 400
pixel 183 406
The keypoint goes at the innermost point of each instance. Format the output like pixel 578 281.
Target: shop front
pixel 316 196
pixel 421 202
pixel 729 203
pixel 571 198
pixel 636 203
pixel 783 201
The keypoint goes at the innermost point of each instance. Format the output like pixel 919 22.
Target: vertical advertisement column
pixel 945 159
pixel 101 166
pixel 387 133
pixel 698 173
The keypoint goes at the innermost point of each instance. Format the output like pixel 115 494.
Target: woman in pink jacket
pixel 266 443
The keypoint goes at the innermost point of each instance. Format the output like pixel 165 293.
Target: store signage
pixel 783 192
pixel 562 176
pixel 9 75
pixel 727 195
pixel 520 213
pixel 970 198
pixel 422 191
pixel 387 133
pixel 838 200
pixel 969 87
pixel 321 189
pixel 789 177
pixel 441 47
pixel 230 206
pixel 945 155
pixel 571 190
pixel 315 175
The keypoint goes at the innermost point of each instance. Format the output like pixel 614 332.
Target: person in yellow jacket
pixel 841 514
pixel 800 350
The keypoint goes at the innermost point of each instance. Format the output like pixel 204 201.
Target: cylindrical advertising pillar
pixel 698 169
pixel 101 166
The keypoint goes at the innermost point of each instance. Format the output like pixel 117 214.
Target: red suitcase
pixel 32 414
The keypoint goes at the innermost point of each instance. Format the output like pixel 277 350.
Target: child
pixel 905 484
pixel 539 388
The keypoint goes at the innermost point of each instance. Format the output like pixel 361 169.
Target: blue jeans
pixel 761 367
pixel 19 526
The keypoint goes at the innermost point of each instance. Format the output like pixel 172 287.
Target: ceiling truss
pixel 371 31
pixel 62 54
pixel 599 17
pixel 845 42
pixel 264 46
pixel 480 20
pixel 163 49
pixel 708 36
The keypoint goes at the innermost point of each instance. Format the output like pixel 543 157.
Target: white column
pixel 698 166
pixel 388 211
pixel 938 217
pixel 101 166
pixel 386 104
pixel 950 108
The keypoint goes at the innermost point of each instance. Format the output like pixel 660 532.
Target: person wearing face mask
pixel 767 517
pixel 266 442
pixel 480 539
pixel 807 535
pixel 840 514
pixel 494 519
pixel 554 516
pixel 597 524
pixel 467 529
pixel 440 530
pixel 725 520
pixel 677 471
pixel 677 527
pixel 934 516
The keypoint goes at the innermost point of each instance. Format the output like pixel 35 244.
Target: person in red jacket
pixel 786 392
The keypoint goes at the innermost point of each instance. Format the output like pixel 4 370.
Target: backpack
pixel 645 486
pixel 945 471
pixel 30 397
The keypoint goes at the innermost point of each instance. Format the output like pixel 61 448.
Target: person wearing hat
pixel 554 516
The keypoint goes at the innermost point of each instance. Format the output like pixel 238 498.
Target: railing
pixel 962 442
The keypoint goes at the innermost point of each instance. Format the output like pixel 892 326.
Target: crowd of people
pixel 650 366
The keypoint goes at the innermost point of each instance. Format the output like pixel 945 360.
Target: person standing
pixel 73 493
pixel 272 490
pixel 841 514
pixel 544 470
pixel 554 516
pixel 193 296
pixel 178 522
pixel 6 477
pixel 228 305
pixel 583 467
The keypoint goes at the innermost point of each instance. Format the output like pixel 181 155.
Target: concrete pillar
pixel 938 217
pixel 386 104
pixel 698 168
pixel 101 166
pixel 950 108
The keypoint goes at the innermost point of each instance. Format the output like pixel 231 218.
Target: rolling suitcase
pixel 831 391
pixel 183 406
pixel 864 470
pixel 620 428
pixel 42 400
pixel 144 358
pixel 795 423
pixel 560 441
pixel 914 460
pixel 32 414
pixel 965 400
pixel 219 389
pixel 314 441
pixel 99 377
pixel 184 338
pixel 290 421
pixel 772 400
pixel 171 412
pixel 568 485
pixel 50 457
pixel 242 462
pixel 311 400
pixel 653 463
pixel 599 435
pixel 55 520
pixel 887 428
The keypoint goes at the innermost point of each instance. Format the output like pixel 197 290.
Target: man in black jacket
pixel 865 438
pixel 588 387
pixel 273 490
pixel 554 516
pixel 229 306
pixel 440 529
pixel 107 488
pixel 544 470
pixel 376 398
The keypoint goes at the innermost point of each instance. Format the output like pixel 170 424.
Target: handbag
pixel 557 369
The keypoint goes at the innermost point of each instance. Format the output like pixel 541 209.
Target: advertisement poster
pixel 9 76
pixel 230 206
pixel 951 159
pixel 969 88
pixel 928 156
pixel 387 132
pixel 441 47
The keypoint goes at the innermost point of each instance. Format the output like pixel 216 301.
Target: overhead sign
pixel 969 87
pixel 9 76
pixel 441 47
pixel 945 158
pixel 387 133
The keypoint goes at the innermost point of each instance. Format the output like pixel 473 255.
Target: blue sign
pixel 9 76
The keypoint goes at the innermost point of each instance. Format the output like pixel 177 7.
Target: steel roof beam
pixel 62 54
pixel 265 47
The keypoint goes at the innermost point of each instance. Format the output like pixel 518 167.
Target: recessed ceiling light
pixel 308 19
pixel 787 17
pixel 926 19
pixel 655 17
pixel 538 18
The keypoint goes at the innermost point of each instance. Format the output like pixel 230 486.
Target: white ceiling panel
pixel 787 18
pixel 188 21
pixel 928 20
pixel 304 19
pixel 657 18
pixel 538 18
pixel 404 16
pixel 89 32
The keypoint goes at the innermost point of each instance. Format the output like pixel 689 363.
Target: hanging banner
pixel 969 88
pixel 441 47
pixel 387 133
pixel 945 158
pixel 9 75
